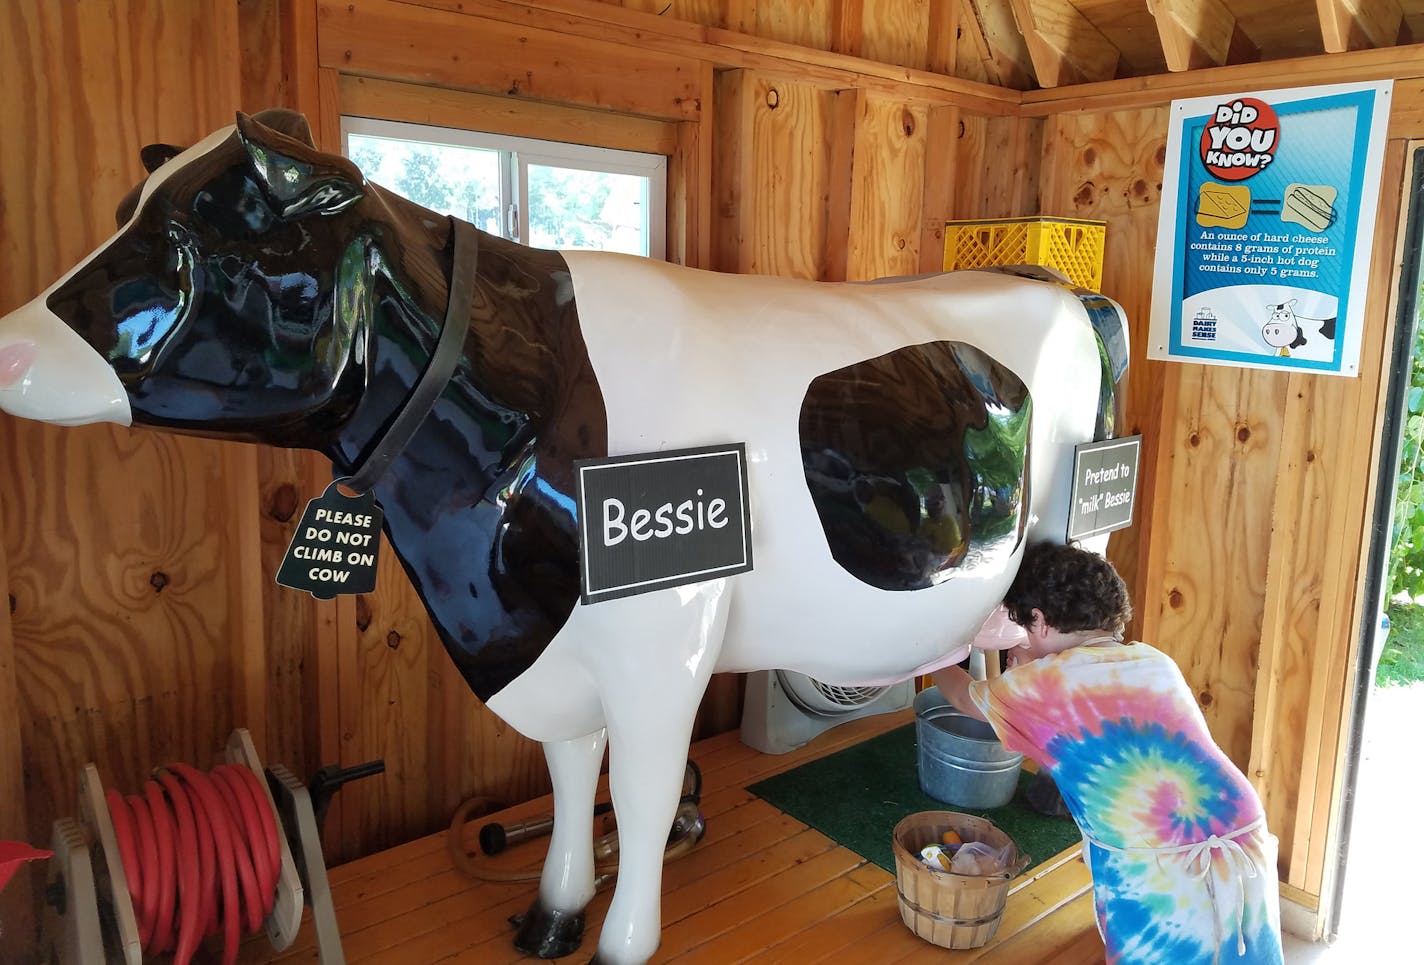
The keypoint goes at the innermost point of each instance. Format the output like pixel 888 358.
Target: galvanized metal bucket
pixel 961 761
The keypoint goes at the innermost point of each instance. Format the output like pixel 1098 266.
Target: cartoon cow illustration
pixel 1283 331
pixel 903 439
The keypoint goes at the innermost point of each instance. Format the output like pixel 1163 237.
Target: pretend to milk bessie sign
pixel 1267 217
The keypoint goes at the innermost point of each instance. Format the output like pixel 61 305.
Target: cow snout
pixel 49 374
pixel 15 361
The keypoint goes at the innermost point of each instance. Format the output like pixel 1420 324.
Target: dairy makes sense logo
pixel 1241 138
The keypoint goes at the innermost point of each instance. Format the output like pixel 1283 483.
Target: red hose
pixel 201 856
pixel 165 833
pixel 190 900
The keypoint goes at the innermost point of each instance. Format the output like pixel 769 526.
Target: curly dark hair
pixel 1075 589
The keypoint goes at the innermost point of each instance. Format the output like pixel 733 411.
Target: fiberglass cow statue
pixel 902 441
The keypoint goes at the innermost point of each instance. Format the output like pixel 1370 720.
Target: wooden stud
pixel 887 205
pixel 300 69
pixel 1406 116
pixel 941 35
pixel 732 184
pixel 245 586
pixel 841 177
pixel 847 23
pixel 942 161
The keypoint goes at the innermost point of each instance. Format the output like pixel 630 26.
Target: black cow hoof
pixel 546 933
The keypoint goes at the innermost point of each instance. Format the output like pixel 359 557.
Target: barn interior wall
pixel 143 623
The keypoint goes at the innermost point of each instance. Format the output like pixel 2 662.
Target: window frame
pixel 524 151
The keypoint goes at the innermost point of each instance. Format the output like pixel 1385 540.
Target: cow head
pixel 1282 330
pixel 232 300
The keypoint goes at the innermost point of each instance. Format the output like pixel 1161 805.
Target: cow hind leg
pixel 553 926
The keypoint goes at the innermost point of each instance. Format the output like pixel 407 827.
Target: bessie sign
pixel 662 519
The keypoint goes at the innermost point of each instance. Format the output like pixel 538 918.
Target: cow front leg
pixel 651 690
pixel 553 926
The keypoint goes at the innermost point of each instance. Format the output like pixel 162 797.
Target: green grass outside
pixel 1402 662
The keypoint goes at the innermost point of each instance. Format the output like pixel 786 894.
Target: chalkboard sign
pixel 650 521
pixel 1104 486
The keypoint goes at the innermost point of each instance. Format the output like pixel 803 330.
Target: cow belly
pixel 822 621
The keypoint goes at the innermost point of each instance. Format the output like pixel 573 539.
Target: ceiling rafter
pixel 1064 46
pixel 1194 33
pixel 1359 24
pixel 999 43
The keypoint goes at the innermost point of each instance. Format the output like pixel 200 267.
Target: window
pixel 541 193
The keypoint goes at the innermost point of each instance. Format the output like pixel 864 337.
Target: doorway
pixel 1371 910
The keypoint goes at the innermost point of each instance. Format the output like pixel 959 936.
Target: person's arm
pixel 954 682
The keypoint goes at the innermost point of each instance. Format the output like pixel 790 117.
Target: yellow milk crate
pixel 1069 245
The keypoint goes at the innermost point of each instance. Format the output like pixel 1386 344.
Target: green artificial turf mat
pixel 856 796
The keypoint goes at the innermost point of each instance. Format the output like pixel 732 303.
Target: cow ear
pixel 297 178
pixel 154 156
pixel 291 123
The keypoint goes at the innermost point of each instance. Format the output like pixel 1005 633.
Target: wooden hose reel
pixel 90 916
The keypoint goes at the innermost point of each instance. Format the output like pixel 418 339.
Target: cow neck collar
pixel 438 370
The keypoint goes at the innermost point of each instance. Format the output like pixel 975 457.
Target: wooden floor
pixel 761 887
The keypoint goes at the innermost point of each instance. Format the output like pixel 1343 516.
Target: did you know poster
pixel 1268 211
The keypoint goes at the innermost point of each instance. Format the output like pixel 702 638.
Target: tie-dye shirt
pixel 1183 868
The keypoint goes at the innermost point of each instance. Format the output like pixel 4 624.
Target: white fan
pixel 783 709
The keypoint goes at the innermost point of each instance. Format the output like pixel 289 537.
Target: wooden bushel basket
pixel 947 909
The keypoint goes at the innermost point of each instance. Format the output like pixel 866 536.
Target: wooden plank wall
pixel 126 639
pixel 1258 482
pixel 143 622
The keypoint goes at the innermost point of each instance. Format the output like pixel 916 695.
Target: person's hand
pixel 999 632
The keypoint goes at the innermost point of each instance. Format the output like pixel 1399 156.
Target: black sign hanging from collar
pixel 662 519
pixel 334 548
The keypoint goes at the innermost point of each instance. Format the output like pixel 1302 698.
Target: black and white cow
pixel 903 439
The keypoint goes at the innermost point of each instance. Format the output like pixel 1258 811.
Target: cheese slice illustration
pixel 1223 205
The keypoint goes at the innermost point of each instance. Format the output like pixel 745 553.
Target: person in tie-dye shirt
pixel 1184 870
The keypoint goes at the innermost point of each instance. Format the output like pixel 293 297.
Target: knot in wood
pixel 158 581
pixel 363 612
pixel 283 503
pixel 773 98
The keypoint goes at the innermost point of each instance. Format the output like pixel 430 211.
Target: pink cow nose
pixel 15 361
